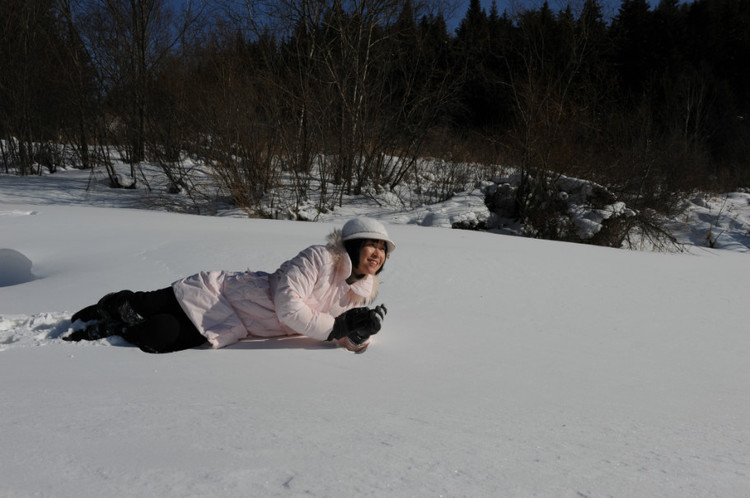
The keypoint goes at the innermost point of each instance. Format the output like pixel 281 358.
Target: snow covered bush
pixel 558 207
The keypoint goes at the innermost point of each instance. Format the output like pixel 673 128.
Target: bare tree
pixel 130 40
pixel 343 85
pixel 79 76
pixel 27 106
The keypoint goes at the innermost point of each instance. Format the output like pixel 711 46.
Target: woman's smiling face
pixel 371 257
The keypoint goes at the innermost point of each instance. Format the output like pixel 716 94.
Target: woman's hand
pixel 350 345
pixel 358 323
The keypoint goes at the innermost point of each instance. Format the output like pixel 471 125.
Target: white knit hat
pixel 366 228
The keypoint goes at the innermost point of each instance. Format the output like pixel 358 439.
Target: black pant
pixel 166 327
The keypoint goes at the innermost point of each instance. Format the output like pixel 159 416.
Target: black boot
pixel 87 314
pixel 116 307
pixel 95 331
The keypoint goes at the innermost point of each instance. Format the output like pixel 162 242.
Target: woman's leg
pixel 155 302
pixel 131 308
pixel 164 333
pixel 153 321
pixel 165 327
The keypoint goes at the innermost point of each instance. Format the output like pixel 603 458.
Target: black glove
pixel 358 323
pixel 359 336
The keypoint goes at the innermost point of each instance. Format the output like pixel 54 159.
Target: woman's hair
pixel 353 248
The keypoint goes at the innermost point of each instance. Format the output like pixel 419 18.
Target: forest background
pixel 343 96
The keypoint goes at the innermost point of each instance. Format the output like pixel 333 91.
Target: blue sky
pixel 609 7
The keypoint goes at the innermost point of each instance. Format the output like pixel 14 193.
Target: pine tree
pixel 633 33
pixel 470 56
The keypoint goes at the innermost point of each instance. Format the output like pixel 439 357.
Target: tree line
pixel 350 94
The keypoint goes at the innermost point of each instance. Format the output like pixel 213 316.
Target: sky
pixel 609 7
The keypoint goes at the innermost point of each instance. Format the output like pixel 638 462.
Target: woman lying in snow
pixel 321 293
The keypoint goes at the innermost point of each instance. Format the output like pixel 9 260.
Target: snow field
pixel 506 367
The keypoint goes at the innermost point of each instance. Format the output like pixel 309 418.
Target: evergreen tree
pixel 470 57
pixel 501 34
pixel 633 34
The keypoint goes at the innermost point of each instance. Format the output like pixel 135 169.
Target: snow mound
pixel 463 209
pixel 15 268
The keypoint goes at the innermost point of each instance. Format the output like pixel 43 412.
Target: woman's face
pixel 371 257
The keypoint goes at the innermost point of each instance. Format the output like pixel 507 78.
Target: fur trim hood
pixel 343 264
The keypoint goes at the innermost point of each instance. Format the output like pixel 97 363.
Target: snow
pixel 15 268
pixel 721 222
pixel 507 366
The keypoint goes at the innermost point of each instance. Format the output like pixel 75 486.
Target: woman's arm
pixel 296 282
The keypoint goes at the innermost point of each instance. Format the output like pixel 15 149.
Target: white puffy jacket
pixel 302 297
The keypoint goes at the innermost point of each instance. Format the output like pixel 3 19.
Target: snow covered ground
pixel 506 367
